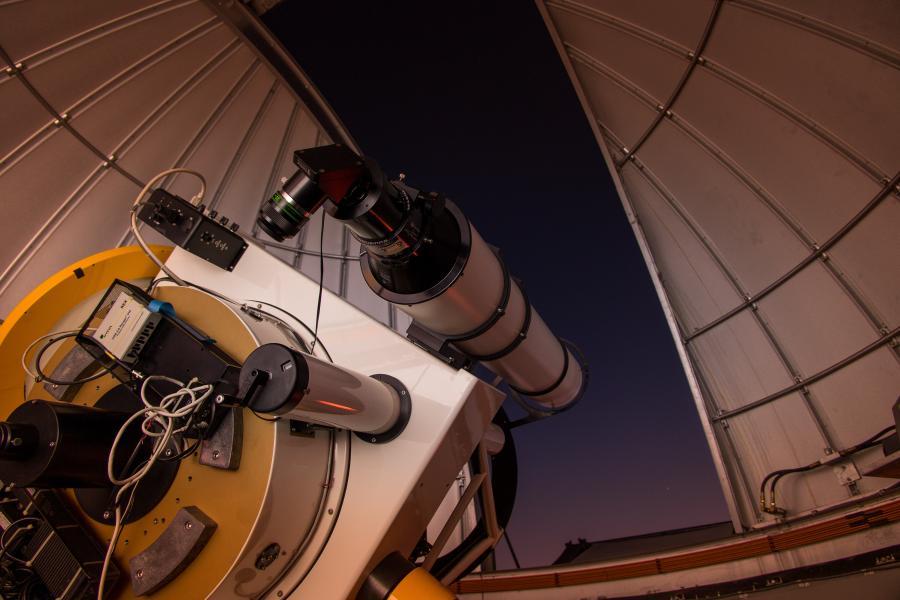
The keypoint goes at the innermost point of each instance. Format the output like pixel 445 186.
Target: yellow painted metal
pixel 231 498
pixel 49 302
pixel 420 585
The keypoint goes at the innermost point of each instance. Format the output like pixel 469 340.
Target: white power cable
pixel 25 366
pixel 164 414
pixel 139 200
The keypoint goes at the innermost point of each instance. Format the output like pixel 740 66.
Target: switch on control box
pixel 188 227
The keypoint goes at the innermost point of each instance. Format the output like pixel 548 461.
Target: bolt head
pixel 220 399
pixel 106 514
pixel 139 574
pixel 188 525
pixel 215 454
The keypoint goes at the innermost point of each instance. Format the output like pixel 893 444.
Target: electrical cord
pixel 770 506
pixel 38 375
pixel 298 320
pixel 164 415
pixel 139 201
pixel 321 283
pixel 247 307
pixel 44 377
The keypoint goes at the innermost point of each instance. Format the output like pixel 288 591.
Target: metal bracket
pixel 437 346
pixel 76 364
pixel 223 449
pixel 171 552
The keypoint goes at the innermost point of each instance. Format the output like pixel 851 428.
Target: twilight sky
pixel 471 98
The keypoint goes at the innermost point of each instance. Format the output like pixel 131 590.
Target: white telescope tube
pixel 509 336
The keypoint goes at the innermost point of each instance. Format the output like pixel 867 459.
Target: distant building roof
pixel 583 551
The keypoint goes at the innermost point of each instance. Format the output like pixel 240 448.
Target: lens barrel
pixel 288 210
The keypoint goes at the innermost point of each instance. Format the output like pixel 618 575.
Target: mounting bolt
pixel 220 399
pixel 188 525
pixel 139 574
pixel 52 444
pixel 156 521
pixel 13 71
pixel 106 514
pixel 168 452
pixel 215 454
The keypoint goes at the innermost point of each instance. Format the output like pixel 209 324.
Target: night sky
pixel 471 98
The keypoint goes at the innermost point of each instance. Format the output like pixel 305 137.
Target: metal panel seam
pixel 820 252
pixel 242 147
pixel 690 375
pixel 62 120
pixel 268 48
pixel 83 37
pixel 844 37
pixel 201 133
pixel 783 356
pixel 279 158
pixel 679 86
pixel 888 338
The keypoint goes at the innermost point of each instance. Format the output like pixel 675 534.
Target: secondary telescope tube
pixel 281 381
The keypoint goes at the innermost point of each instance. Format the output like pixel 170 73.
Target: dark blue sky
pixel 471 98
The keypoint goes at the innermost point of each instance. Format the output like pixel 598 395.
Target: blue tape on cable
pixel 158 306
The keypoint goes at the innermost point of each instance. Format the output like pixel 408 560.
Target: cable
pixel 171 407
pixel 139 200
pixel 510 546
pixel 245 306
pixel 44 377
pixel 321 282
pixel 262 418
pixel 770 506
pixel 298 320
pixel 39 375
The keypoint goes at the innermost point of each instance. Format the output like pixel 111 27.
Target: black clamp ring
pixel 402 418
pixel 396 233
pixel 520 337
pixel 555 384
pixel 495 316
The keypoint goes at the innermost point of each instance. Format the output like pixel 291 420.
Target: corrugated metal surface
pixel 756 146
pixel 99 96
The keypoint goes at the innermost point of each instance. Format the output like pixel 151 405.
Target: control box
pixel 126 327
pixel 187 226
